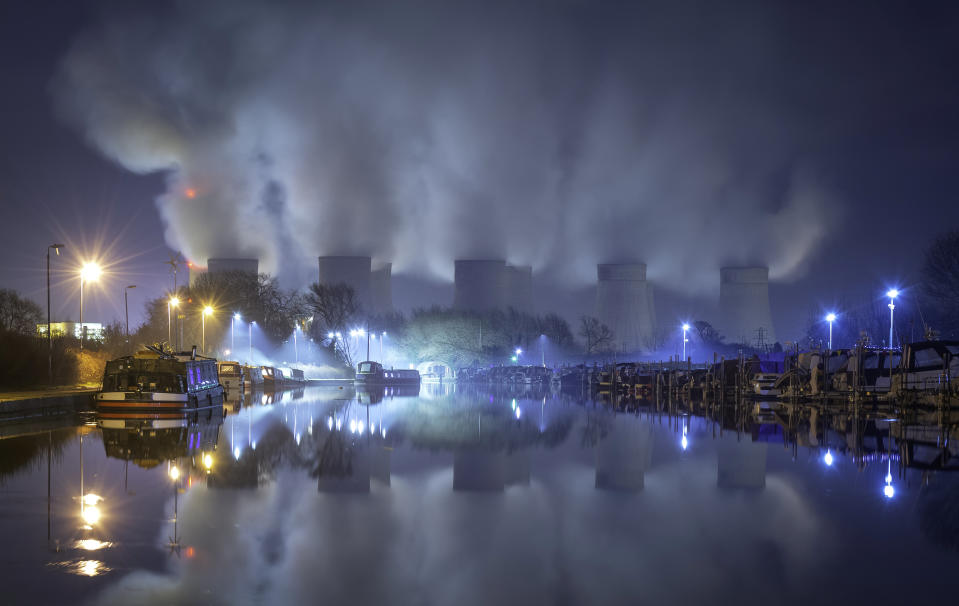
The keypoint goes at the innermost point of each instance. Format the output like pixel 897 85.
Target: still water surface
pixel 469 497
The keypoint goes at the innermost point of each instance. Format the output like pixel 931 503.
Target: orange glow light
pixel 190 193
pixel 190 552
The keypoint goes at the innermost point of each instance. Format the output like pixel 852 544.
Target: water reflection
pixel 451 496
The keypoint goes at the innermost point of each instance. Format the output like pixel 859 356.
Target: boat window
pixel 871 362
pixel 895 361
pixel 366 367
pixel 953 349
pixel 927 358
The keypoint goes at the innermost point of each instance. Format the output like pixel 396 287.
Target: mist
pixel 557 135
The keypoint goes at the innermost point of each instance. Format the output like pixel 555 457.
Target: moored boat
pixel 373 373
pixel 160 380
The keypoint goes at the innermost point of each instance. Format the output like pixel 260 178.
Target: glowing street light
pixel 892 293
pixel 174 473
pixel 827 458
pixel 830 318
pixel 89 272
pixel 685 340
pixel 207 311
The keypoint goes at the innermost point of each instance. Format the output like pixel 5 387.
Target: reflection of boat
pixel 150 439
pixel 373 373
pixel 374 394
pixel 160 380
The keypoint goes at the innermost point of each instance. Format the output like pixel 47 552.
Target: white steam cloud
pixel 553 134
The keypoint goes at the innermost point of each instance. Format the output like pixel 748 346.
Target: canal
pixel 476 497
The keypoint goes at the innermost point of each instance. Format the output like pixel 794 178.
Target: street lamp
pixel 685 340
pixel 251 342
pixel 892 293
pixel 207 311
pixel 57 248
pixel 89 272
pixel 126 309
pixel 236 318
pixel 172 303
pixel 830 318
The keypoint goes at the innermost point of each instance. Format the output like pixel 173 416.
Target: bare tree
pixel 18 314
pixel 597 335
pixel 940 281
pixel 708 335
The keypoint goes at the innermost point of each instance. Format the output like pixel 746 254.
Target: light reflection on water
pixel 473 497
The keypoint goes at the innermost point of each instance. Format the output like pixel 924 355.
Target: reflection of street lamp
pixel 89 272
pixel 251 342
pixel 827 459
pixel 685 340
pixel 172 303
pixel 207 311
pixel 888 490
pixel 830 318
pixel 57 248
pixel 892 293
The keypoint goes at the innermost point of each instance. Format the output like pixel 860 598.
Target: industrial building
pixel 624 302
pixel 487 284
pixel 744 313
pixel 373 287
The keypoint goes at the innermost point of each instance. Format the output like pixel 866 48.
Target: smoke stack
pixel 216 266
pixel 352 271
pixel 745 315
pixel 381 289
pixel 519 287
pixel 624 303
pixel 480 284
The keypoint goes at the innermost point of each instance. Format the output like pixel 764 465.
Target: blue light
pixel 889 491
pixel 684 443
pixel 518 412
pixel 827 459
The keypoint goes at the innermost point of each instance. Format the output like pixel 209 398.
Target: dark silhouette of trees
pixel 940 283
pixel 598 337
pixel 17 314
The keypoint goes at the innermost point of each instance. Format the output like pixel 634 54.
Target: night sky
pixel 818 139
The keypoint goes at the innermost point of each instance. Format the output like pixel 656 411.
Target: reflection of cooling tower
pixel 744 305
pixel 381 289
pixel 742 464
pixel 352 271
pixel 215 266
pixel 624 303
pixel 519 287
pixel 623 457
pixel 480 285
pixel 486 471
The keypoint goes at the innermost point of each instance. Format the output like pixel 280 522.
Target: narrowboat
pixel 159 380
pixel 373 373
pixel 252 378
pixel 231 377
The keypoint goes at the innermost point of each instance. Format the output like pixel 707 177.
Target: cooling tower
pixel 352 271
pixel 381 289
pixel 480 285
pixel 744 305
pixel 519 287
pixel 624 303
pixel 215 266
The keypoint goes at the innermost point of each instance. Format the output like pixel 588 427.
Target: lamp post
pixel 57 248
pixel 830 318
pixel 892 293
pixel 251 342
pixel 90 272
pixel 170 304
pixel 233 320
pixel 126 309
pixel 207 311
pixel 296 352
pixel 685 340
pixel 382 337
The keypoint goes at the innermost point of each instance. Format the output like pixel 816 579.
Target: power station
pixel 624 302
pixel 372 286
pixel 744 313
pixel 488 284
